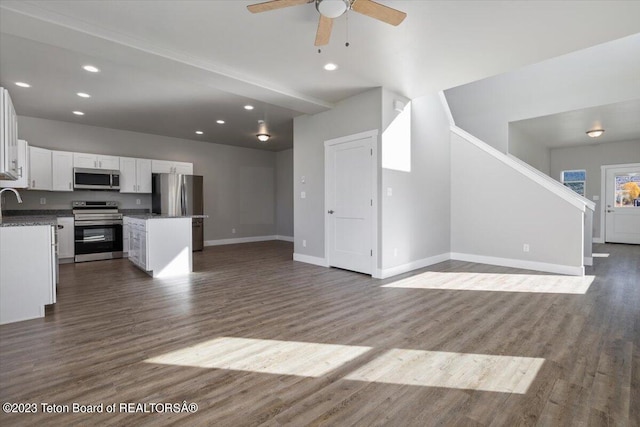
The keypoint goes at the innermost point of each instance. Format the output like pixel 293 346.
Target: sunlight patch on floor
pixel 265 356
pixel 600 255
pixel 504 374
pixel 534 283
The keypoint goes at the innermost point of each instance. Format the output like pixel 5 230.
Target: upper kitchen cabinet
pixel 95 161
pixel 135 175
pixel 8 138
pixel 62 170
pixel 23 167
pixel 40 169
pixel 168 166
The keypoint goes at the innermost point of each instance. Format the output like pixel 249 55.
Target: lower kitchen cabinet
pixel 66 244
pixel 161 247
pixel 27 272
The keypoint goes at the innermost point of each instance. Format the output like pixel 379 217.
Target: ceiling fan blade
pixel 324 31
pixel 379 11
pixel 275 4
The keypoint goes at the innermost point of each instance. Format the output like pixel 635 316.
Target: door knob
pixel 331 211
pixel 609 211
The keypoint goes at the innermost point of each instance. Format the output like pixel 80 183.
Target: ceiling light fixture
pixel 23 84
pixel 199 132
pixel 78 113
pixel 330 66
pixel 248 107
pixel 332 8
pixel 220 122
pixel 594 133
pixel 263 137
pixel 91 69
pixel 83 95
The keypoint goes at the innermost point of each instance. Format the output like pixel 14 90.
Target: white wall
pixel 239 183
pixel 600 75
pixel 495 210
pixel 415 220
pixel 528 149
pixel 590 158
pixel 359 113
pixel 284 193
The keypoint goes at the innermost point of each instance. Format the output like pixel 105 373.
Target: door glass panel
pixel 627 190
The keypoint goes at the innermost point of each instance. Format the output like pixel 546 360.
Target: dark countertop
pixel 156 216
pixel 28 221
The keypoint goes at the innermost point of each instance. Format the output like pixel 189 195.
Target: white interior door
pixel 349 171
pixel 622 208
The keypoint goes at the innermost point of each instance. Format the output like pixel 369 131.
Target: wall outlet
pixel 303 195
pixel 525 247
pixel 233 231
pixel 395 252
pixel 389 191
pixel 137 201
pixel 304 243
pixel 596 198
pixel 43 200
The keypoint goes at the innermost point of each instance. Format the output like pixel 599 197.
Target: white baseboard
pixel 239 240
pixel 413 265
pixel 310 260
pixel 520 263
pixel 285 238
pixel 588 260
pixel 598 240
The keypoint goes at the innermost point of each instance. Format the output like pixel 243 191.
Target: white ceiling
pixel 172 67
pixel 621 122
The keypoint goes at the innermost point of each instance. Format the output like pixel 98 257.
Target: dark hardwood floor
pixel 255 338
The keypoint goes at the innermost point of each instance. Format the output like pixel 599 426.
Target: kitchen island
pixel 160 245
pixel 27 267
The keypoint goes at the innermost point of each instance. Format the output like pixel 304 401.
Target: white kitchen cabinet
pixel 135 175
pixel 168 166
pixel 62 170
pixel 40 169
pixel 27 272
pixel 8 138
pixel 66 240
pixel 23 167
pixel 161 247
pixel 95 161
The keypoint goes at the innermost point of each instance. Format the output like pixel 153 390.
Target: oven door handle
pixel 88 223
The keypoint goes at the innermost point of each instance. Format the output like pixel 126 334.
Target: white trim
pixel 445 106
pixel 548 183
pixel 603 195
pixel 322 262
pixel 373 136
pixel 252 239
pixel 520 263
pixel 284 238
pixel 598 240
pixel 410 266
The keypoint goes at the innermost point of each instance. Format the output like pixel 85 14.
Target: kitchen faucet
pixel 8 189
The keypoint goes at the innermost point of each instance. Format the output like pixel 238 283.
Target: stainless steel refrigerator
pixel 179 195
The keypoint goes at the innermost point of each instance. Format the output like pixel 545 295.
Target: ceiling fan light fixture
pixel 594 133
pixel 263 137
pixel 332 8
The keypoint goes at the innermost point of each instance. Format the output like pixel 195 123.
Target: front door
pixel 349 202
pixel 622 207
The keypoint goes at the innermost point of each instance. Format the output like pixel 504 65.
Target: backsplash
pixel 62 200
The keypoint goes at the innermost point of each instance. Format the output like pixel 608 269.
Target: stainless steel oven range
pixel 97 230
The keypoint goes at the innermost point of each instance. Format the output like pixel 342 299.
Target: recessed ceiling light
pixel 220 122
pixel 330 66
pixel 78 113
pixel 23 84
pixel 91 69
pixel 199 132
pixel 248 107
pixel 594 133
pixel 83 95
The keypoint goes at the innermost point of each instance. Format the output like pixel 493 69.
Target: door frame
pixel 373 135
pixel 603 195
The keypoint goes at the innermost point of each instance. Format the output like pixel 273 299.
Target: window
pixel 627 190
pixel 575 180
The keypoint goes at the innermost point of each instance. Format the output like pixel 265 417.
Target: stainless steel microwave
pixel 96 179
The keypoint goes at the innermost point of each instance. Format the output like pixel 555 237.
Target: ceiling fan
pixel 331 9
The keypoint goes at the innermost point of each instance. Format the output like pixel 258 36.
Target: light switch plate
pixel 303 195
